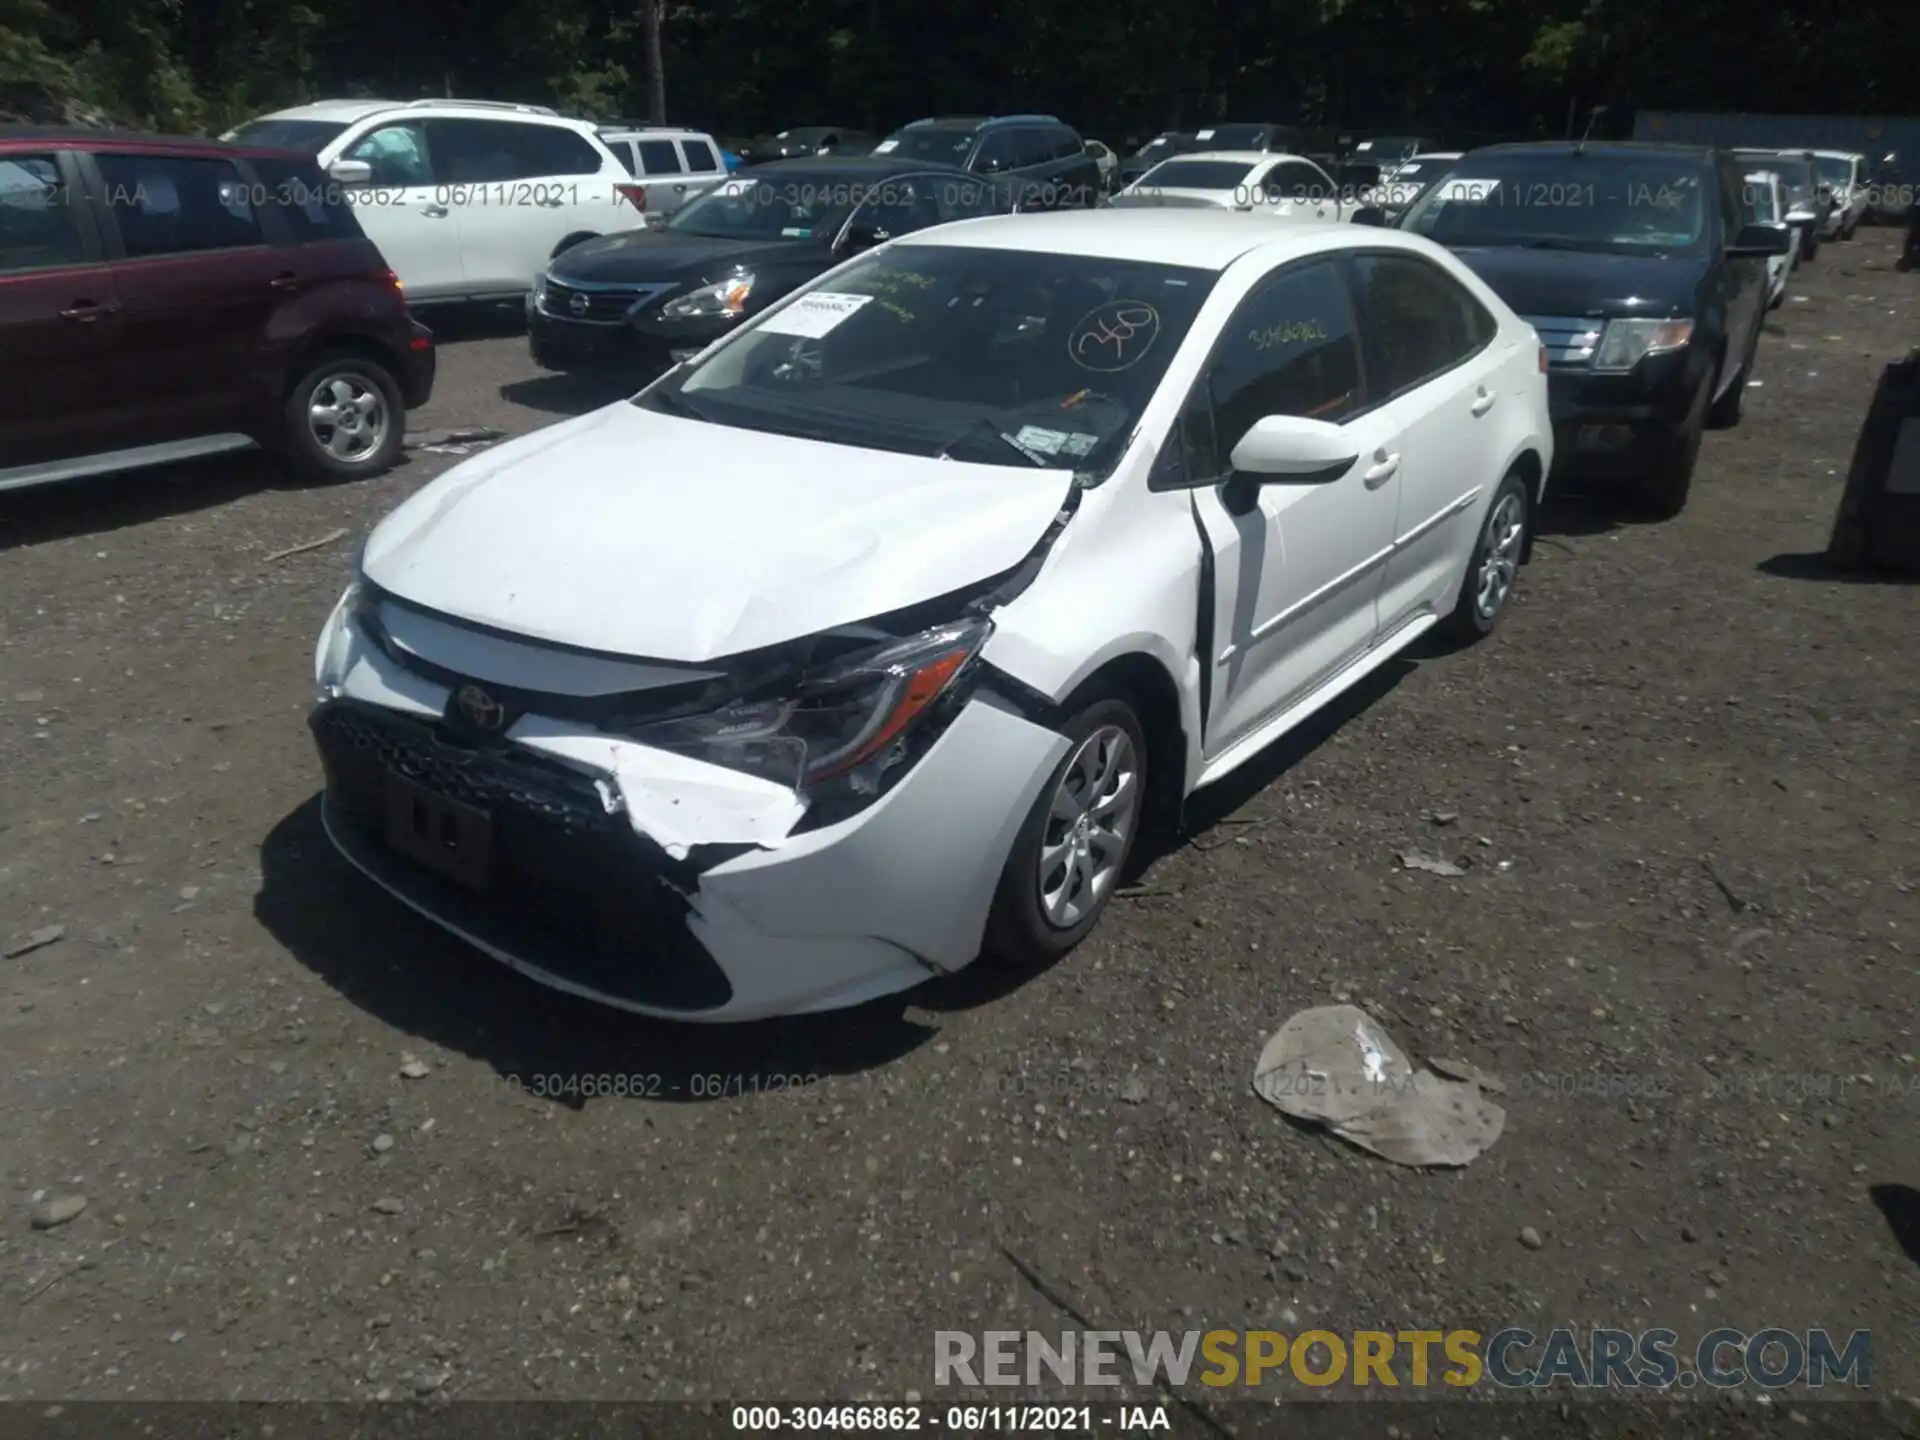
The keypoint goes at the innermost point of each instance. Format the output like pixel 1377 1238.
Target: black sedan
pixel 646 298
pixel 808 140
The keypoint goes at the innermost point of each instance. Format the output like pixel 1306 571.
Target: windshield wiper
pixel 985 425
pixel 1550 243
pixel 672 402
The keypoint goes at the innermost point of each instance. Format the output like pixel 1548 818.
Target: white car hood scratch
pixel 634 533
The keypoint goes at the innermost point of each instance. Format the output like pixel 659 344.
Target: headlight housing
pixel 723 300
pixel 847 724
pixel 539 288
pixel 1626 343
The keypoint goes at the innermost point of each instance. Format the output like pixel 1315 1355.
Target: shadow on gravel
pixel 1574 511
pixel 1900 1206
pixel 454 324
pixel 105 503
pixel 1816 566
pixel 414 977
pixel 574 393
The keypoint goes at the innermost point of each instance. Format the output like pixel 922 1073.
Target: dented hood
pixel 641 534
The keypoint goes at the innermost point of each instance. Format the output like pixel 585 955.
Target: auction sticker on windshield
pixel 815 315
pixel 1055 442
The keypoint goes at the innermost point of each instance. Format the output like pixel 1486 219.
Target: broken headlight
pixel 850 721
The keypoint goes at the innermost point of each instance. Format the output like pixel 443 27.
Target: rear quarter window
pixel 313 207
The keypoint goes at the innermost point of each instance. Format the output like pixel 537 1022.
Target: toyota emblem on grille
pixel 578 304
pixel 479 709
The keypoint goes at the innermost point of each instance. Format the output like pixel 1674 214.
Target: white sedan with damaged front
pixel 871 640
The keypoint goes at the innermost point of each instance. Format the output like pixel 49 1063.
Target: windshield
pixel 1387 148
pixel 946 143
pixel 1795 172
pixel 1834 169
pixel 1197 175
pixel 308 136
pixel 1628 204
pixel 1760 198
pixel 1237 137
pixel 1161 146
pixel 1003 357
pixel 795 206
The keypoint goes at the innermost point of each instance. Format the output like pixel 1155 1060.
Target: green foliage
pixel 1116 69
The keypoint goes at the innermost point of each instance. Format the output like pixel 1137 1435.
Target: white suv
pixel 467 199
pixel 669 166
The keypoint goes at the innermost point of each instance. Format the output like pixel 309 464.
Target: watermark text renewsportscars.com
pixel 1510 1359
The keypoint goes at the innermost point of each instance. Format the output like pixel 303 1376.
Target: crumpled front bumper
pixel 664 898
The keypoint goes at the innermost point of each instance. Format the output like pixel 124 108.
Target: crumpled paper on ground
pixel 1335 1066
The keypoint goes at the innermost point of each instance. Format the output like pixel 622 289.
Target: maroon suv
pixel 162 299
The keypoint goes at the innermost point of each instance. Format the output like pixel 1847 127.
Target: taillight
pixel 1543 359
pixel 634 195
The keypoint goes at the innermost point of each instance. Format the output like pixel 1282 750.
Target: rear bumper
pixel 419 367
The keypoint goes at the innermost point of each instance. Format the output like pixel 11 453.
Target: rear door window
pixel 178 205
pixel 313 208
pixel 659 157
pixel 542 152
pixel 39 228
pixel 700 157
pixel 476 152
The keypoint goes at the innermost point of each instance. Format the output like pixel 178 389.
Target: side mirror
pixel 862 237
pixel 1369 215
pixel 350 172
pixel 1758 242
pixel 1288 449
pixel 991 166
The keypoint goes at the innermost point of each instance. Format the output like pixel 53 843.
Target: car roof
pixel 350 112
pixel 650 132
pixel 346 111
pixel 72 137
pixel 854 166
pixel 1191 238
pixel 1841 154
pixel 1623 148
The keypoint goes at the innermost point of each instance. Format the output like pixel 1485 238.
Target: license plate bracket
pixel 446 836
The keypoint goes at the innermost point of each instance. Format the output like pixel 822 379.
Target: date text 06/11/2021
pixel 950 1419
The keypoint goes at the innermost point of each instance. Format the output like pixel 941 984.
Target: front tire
pixel 1075 843
pixel 1494 567
pixel 344 419
pixel 1669 481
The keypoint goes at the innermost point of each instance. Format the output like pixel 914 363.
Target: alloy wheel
pixel 1505 537
pixel 348 416
pixel 1089 823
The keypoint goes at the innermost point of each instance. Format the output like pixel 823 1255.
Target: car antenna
pixel 1592 115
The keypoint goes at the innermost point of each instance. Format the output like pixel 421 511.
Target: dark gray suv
pixel 1043 159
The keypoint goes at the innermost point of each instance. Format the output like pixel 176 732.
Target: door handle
pixel 438 212
pixel 286 280
pixel 551 202
pixel 1383 469
pixel 85 312
pixel 1482 403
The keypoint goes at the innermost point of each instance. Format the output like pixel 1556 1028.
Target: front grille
pixel 1570 339
pixel 596 304
pixel 574 891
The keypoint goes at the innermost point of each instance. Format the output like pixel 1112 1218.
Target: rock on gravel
pixel 57 1210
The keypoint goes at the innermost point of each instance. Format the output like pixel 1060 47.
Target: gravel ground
pixel 1682 783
